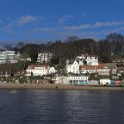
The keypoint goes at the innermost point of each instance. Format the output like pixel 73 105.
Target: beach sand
pixel 57 87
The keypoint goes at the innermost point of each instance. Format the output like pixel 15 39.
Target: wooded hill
pixel 105 49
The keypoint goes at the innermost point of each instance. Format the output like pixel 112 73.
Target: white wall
pixel 66 79
pixel 37 72
pixel 105 81
pixel 73 68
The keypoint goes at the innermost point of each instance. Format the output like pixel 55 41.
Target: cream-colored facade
pixel 39 70
pixel 44 57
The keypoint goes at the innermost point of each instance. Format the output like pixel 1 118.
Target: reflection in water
pixel 61 107
pixel 13 91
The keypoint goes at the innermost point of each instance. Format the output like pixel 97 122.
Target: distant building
pixel 72 79
pixel 88 69
pixel 101 69
pixel 72 66
pixel 39 70
pixel 90 60
pixel 119 61
pixel 3 58
pixel 44 57
pixel 105 81
pixel 120 71
pixel 9 57
pixel 113 68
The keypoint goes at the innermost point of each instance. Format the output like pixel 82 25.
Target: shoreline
pixel 60 87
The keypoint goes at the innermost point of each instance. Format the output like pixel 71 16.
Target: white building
pixel 39 70
pixel 90 60
pixel 105 81
pixel 9 57
pixel 72 79
pixel 62 80
pixel 88 69
pixel 52 70
pixel 44 57
pixel 78 79
pixel 2 58
pixel 72 66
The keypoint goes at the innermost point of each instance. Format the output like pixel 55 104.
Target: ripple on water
pixel 61 107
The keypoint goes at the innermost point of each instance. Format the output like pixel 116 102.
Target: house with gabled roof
pixel 72 66
pixel 39 70
pixel 87 69
pixel 113 68
pixel 103 69
pixel 90 60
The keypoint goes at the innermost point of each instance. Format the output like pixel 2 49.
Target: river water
pixel 61 107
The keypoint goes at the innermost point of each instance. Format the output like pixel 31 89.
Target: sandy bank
pixel 57 87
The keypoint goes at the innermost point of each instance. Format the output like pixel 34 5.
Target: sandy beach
pixel 58 87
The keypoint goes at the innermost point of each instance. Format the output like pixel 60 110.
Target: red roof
pixel 102 66
pixel 89 67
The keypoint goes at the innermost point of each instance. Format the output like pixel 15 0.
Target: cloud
pixel 118 29
pixel 60 32
pixel 57 32
pixel 43 29
pixel 65 18
pixel 23 20
pixel 7 28
pixel 51 31
pixel 92 26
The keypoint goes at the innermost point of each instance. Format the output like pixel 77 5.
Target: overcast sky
pixel 48 20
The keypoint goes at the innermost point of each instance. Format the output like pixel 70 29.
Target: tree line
pixel 106 49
